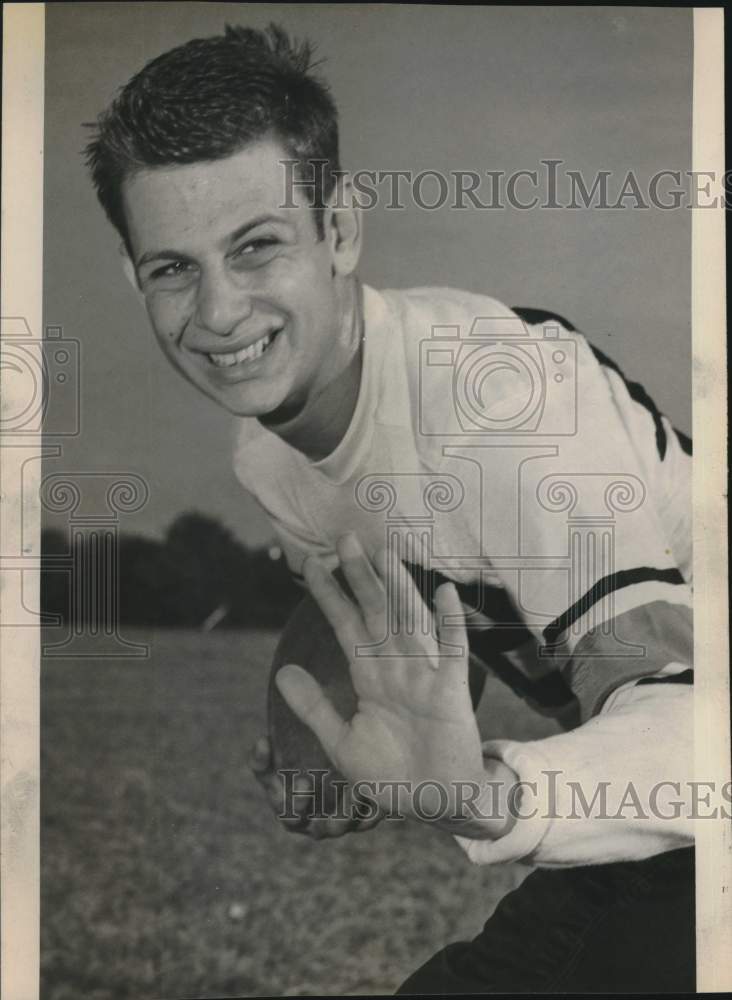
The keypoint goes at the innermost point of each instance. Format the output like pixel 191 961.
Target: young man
pixel 468 442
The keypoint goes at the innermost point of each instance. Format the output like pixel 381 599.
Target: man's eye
pixel 255 248
pixel 175 275
pixel 171 270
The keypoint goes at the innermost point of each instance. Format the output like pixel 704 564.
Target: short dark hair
pixel 205 100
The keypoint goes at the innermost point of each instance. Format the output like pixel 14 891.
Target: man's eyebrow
pixel 253 223
pixel 153 255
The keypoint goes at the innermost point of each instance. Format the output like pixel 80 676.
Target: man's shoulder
pixel 423 308
pixel 476 366
pixel 427 316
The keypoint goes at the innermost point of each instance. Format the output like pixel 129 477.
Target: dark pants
pixel 617 928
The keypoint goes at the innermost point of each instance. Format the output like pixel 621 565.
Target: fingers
pixel 408 612
pixel 367 587
pixel 343 616
pixel 332 826
pixel 306 699
pixel 260 759
pixel 383 589
pixel 273 785
pixel 293 813
pixel 365 811
pixel 404 601
pixel 450 616
pixel 389 602
pixel 354 815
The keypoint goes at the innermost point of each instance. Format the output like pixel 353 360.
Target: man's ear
pixel 343 226
pixel 130 273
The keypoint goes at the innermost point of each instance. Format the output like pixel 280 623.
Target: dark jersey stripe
pixel 601 661
pixel 535 316
pixel 635 390
pixel 684 440
pixel 639 394
pixel 507 631
pixel 684 677
pixel 603 587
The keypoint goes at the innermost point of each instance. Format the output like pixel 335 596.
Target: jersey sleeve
pixel 575 784
pixel 665 455
pixel 587 522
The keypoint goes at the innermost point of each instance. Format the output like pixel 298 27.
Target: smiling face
pixel 244 299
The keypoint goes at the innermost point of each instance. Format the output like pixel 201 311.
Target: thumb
pixel 311 705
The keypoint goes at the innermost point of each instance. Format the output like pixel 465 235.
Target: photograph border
pixel 20 472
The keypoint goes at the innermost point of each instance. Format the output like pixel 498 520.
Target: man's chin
pixel 282 416
pixel 267 402
pixel 247 403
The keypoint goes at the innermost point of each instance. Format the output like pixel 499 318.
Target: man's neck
pixel 321 425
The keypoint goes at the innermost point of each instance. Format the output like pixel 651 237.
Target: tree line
pixel 199 575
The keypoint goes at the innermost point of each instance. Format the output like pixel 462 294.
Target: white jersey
pixel 511 457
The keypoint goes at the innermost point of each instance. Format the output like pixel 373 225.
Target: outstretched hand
pixel 415 722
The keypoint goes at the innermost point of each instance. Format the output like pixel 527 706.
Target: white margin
pixel 22 286
pixel 711 635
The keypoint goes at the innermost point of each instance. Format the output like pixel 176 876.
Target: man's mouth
pixel 250 353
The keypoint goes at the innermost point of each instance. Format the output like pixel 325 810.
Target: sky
pixel 421 88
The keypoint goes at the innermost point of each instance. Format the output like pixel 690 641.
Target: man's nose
pixel 222 303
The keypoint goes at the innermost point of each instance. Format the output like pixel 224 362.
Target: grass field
pixel 165 875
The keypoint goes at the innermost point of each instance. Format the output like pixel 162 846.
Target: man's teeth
pixel 250 353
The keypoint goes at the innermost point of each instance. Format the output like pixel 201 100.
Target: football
pixel 309 641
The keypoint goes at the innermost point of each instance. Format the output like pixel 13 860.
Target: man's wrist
pixel 482 807
pixel 495 817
